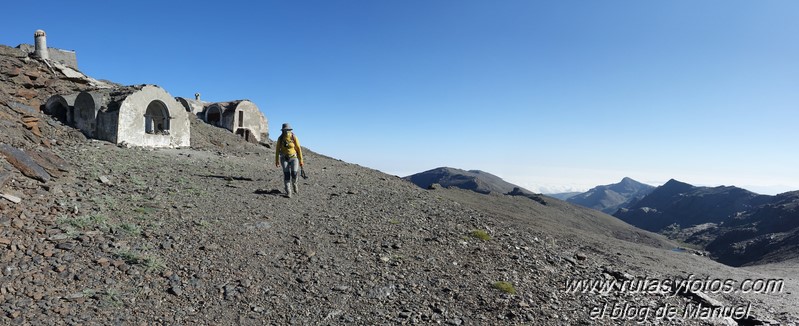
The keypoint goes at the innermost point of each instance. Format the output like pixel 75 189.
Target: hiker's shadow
pixel 226 177
pixel 272 192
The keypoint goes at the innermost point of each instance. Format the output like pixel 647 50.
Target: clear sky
pixel 550 95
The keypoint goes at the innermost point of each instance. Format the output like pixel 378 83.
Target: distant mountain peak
pixel 675 186
pixel 627 181
pixel 609 198
pixel 675 182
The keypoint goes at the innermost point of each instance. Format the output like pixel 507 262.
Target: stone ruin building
pixel 40 50
pixel 144 115
pixel 64 61
pixel 241 117
pixel 194 106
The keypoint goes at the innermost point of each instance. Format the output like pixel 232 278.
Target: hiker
pixel 288 154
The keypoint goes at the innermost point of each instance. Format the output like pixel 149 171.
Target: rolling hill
pixel 474 180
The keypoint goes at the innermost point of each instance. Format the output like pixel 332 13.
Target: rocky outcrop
pixel 517 191
pixel 24 163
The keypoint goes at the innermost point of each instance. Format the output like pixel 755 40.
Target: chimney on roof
pixel 40 45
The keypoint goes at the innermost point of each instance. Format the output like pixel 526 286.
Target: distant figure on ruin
pixel 288 154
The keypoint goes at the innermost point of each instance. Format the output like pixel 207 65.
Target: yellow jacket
pixel 288 145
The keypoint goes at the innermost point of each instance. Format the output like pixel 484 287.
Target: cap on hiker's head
pixel 286 126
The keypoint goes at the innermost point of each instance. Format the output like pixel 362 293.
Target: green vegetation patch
pixel 137 181
pixel 111 298
pixel 150 263
pixel 202 223
pixel 506 287
pixel 129 229
pixel 144 210
pixel 480 234
pixel 108 203
pixel 83 222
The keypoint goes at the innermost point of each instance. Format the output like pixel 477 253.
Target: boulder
pixel 24 163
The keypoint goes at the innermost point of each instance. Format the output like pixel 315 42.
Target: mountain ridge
pixel 737 226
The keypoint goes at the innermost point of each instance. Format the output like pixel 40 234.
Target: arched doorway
pixel 58 109
pixel 84 114
pixel 213 115
pixel 60 112
pixel 156 118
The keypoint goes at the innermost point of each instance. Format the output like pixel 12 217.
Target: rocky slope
pixel 201 235
pixel 609 198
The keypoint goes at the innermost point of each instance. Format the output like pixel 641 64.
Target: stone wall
pixel 193 106
pixel 249 117
pixel 241 117
pixel 85 114
pixel 124 115
pixel 107 126
pixel 134 126
pixel 66 57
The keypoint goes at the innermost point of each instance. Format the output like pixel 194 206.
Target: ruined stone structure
pixel 40 50
pixel 194 106
pixel 61 107
pixel 40 45
pixel 241 117
pixel 144 115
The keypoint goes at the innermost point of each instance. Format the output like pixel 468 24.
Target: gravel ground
pixel 201 236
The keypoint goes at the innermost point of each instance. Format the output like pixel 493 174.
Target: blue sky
pixel 550 95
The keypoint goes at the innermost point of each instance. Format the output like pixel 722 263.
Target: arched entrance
pixel 213 115
pixel 60 112
pixel 58 108
pixel 156 118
